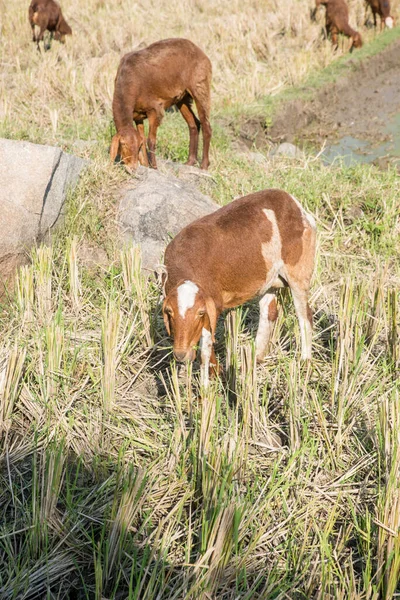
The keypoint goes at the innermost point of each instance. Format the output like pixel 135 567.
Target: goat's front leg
pixel 268 316
pixel 154 122
pixel 207 356
pixel 140 128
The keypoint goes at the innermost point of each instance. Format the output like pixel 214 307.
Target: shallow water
pixel 351 150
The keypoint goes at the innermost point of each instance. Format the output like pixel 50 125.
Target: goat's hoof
pixel 215 370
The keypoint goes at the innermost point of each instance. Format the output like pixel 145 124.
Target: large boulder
pixel 34 181
pixel 156 209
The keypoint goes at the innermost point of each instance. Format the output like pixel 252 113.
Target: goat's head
pixel 356 41
pixel 187 310
pixel 62 30
pixel 129 145
pixel 59 37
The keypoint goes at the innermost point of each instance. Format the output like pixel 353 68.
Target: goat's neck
pixel 347 30
pixel 123 114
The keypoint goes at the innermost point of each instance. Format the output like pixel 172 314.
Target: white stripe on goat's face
pixel 186 296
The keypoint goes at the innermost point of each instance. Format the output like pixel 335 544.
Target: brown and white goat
pixel 381 8
pixel 47 15
pixel 149 81
pixel 246 249
pixel 337 21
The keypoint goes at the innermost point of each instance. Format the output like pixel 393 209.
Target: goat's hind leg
pixel 40 37
pixel 194 128
pixel 47 45
pixel 202 99
pixel 304 315
pixel 268 316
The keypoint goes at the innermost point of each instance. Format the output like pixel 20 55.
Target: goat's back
pixel 167 64
pixel 381 7
pixel 237 244
pixel 337 12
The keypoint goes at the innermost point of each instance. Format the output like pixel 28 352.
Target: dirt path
pixel 359 105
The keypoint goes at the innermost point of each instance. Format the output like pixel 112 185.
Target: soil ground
pixel 358 105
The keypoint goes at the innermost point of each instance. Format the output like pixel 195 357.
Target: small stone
pixel 287 149
pixel 257 157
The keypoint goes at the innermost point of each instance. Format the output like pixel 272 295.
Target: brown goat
pixel 381 8
pixel 149 81
pixel 47 15
pixel 243 250
pixel 337 21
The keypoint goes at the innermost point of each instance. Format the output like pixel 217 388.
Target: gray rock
pixel 34 180
pixel 156 209
pixel 287 149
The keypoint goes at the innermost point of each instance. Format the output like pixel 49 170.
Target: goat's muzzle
pixel 184 355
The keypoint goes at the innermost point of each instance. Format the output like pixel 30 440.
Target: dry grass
pixel 121 479
pixel 256 48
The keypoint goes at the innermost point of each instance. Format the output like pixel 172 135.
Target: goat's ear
pixel 166 318
pixel 212 316
pixel 114 146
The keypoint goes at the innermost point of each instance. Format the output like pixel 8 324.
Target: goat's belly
pixel 232 299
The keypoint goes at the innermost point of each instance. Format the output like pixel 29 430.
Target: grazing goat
pixel 46 14
pixel 148 82
pixel 381 8
pixel 243 250
pixel 337 21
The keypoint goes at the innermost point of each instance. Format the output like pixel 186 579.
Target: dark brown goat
pixel 47 15
pixel 337 21
pixel 381 8
pixel 149 81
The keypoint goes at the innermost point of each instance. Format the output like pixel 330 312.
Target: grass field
pixel 119 477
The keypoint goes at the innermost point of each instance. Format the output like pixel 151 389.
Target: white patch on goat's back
pixel 305 214
pixel 275 243
pixel 186 296
pixel 272 251
pixel 389 22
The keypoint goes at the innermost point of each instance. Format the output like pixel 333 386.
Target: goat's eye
pixel 201 313
pixel 168 311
